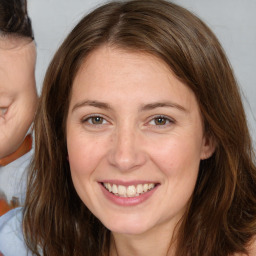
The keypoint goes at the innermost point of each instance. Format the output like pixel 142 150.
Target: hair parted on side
pixel 220 219
pixel 14 19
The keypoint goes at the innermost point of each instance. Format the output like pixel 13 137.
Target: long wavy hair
pixel 221 217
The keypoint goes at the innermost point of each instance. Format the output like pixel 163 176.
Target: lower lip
pixel 127 201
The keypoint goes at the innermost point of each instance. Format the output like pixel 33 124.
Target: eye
pixel 160 121
pixel 95 120
pixel 3 111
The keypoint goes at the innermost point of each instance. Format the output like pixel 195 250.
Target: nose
pixel 126 151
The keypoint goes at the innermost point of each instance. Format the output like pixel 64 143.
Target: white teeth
pixel 109 187
pixel 150 186
pixel 130 191
pixel 114 189
pixel 145 187
pixel 121 190
pixel 139 189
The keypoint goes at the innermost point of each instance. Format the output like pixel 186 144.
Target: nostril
pixel 126 152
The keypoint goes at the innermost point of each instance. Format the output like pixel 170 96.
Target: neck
pixel 152 243
pixel 24 148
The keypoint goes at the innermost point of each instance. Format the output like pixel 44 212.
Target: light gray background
pixel 233 21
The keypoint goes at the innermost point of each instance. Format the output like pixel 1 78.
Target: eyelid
pixel 169 119
pixel 6 100
pixel 3 111
pixel 87 117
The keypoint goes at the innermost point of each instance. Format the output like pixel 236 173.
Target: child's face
pixel 18 96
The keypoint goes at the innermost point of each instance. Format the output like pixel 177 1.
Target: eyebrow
pixel 162 105
pixel 147 107
pixel 92 103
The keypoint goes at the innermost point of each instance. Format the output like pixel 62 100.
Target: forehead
pixel 17 66
pixel 114 72
pixel 8 42
pixel 106 60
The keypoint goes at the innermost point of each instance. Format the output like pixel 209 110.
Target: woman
pixel 142 146
pixel 18 100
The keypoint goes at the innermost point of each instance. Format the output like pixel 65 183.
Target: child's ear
pixel 208 146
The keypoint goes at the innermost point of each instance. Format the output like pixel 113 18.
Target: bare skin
pixel 130 122
pixel 18 95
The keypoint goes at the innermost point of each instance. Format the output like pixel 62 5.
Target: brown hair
pixel 220 219
pixel 14 19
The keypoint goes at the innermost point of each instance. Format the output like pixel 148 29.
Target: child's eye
pixel 160 121
pixel 3 110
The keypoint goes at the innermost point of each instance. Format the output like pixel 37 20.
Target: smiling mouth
pixel 129 191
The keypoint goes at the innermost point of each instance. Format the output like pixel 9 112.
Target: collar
pixel 24 148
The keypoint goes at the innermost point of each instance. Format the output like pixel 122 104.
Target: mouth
pixel 129 191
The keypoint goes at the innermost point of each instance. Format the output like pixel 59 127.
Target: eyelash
pixel 167 121
pixel 3 111
pixel 164 118
pixel 88 120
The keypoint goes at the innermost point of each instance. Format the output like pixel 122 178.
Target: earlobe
pixel 208 146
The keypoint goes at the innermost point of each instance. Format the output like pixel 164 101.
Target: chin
pixel 128 227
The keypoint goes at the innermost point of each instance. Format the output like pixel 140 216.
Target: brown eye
pixel 160 121
pixel 96 120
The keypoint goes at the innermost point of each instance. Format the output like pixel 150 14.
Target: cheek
pixel 15 126
pixel 21 118
pixel 81 163
pixel 179 162
pixel 22 111
pixel 84 154
pixel 177 157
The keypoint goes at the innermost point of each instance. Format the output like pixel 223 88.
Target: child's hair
pixel 14 19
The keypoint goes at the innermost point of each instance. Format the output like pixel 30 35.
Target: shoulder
pixel 11 235
pixel 252 247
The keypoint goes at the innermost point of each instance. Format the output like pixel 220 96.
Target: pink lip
pixel 127 201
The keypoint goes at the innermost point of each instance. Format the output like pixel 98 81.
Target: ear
pixel 208 146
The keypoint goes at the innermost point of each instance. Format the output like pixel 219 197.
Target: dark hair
pixel 14 18
pixel 220 219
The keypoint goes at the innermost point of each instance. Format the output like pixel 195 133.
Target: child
pixel 18 99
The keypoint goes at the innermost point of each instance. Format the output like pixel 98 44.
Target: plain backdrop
pixel 233 21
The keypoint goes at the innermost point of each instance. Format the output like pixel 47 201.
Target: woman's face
pixel 135 140
pixel 18 97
